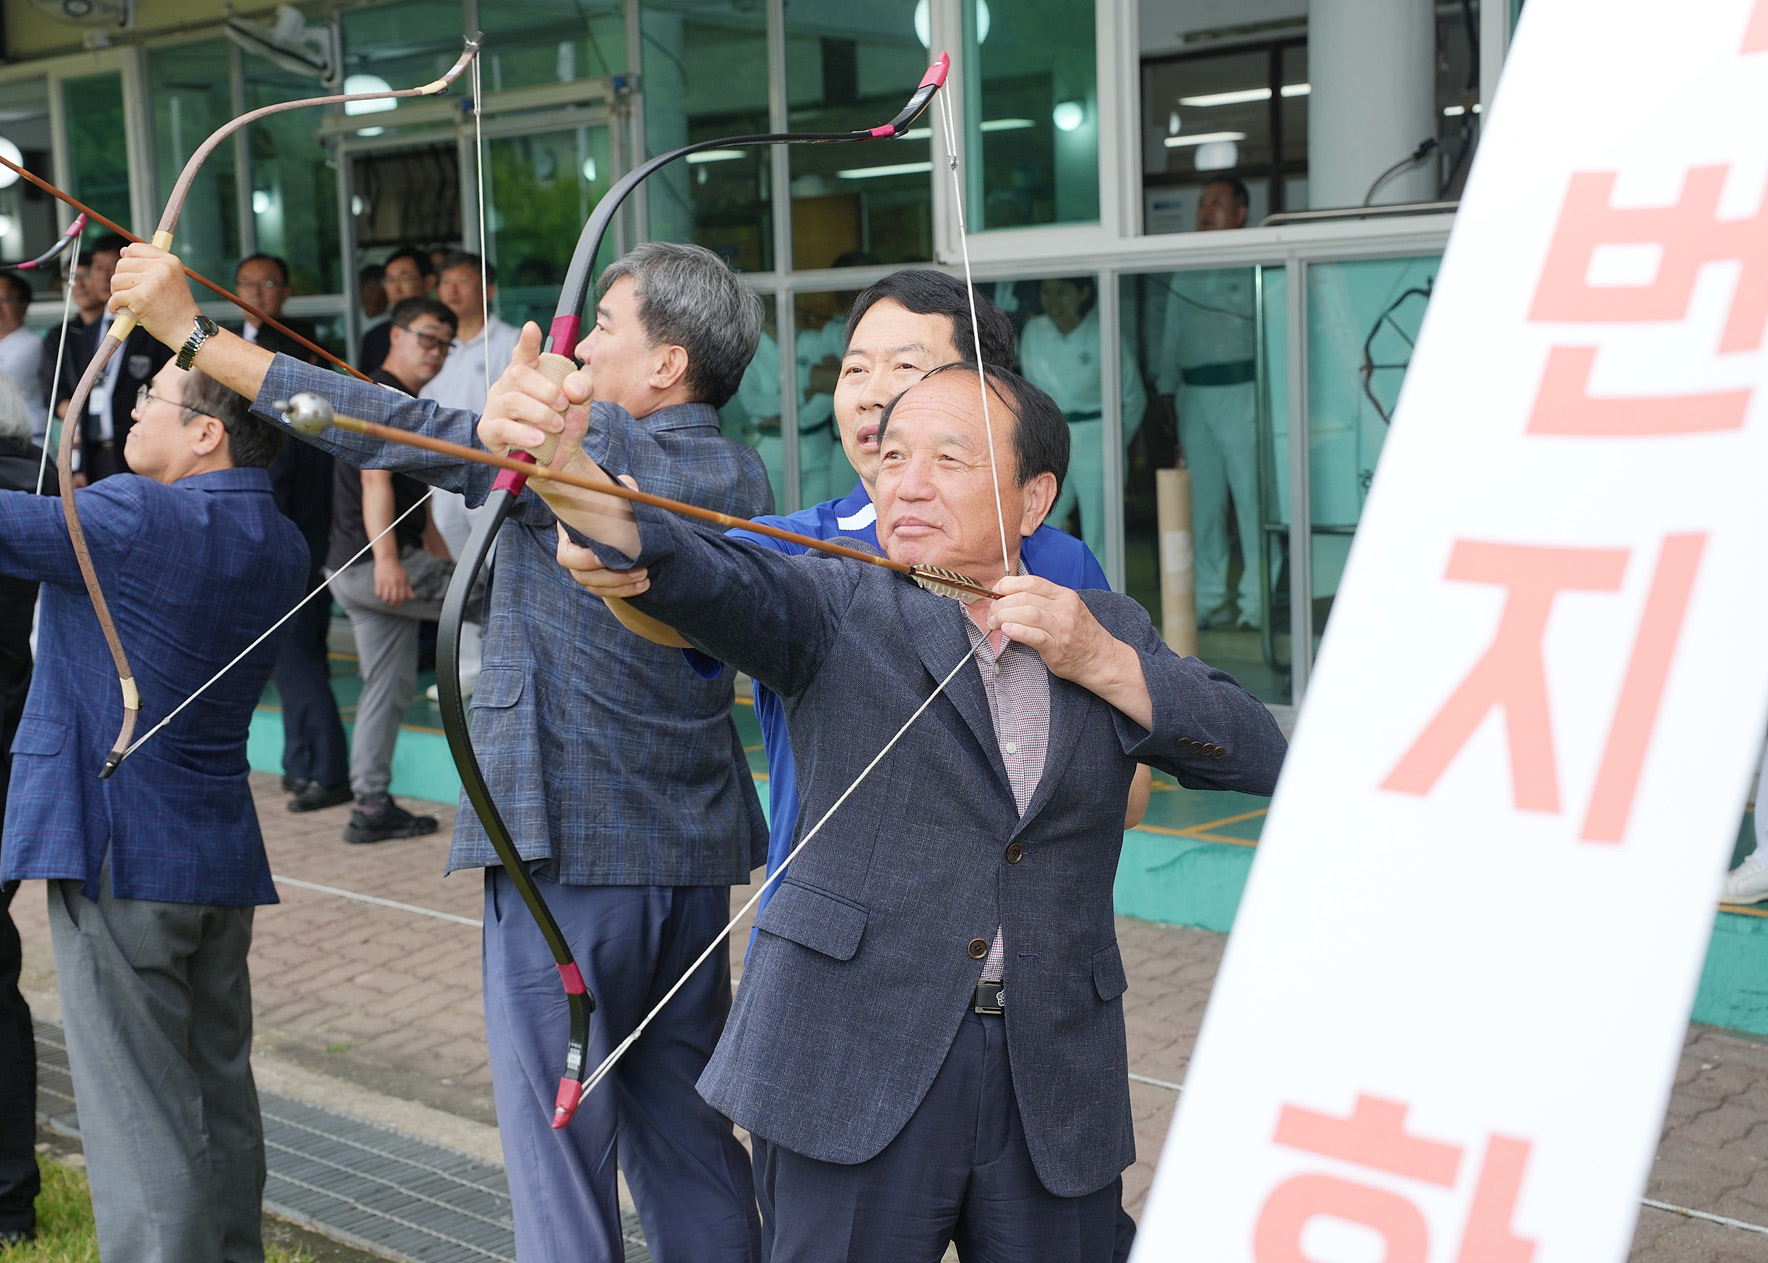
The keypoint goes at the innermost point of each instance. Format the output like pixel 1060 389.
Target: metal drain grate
pixel 357 1182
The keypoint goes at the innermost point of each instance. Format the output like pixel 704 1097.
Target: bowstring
pixel 299 606
pixel 67 305
pixel 608 1062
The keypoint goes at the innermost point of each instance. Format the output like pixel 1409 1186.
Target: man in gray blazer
pixel 928 1044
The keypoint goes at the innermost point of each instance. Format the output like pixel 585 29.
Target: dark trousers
pixel 18 1085
pixel 959 1171
pixel 688 1174
pixel 313 745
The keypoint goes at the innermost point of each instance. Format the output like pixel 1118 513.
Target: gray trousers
pixel 157 1006
pixel 386 651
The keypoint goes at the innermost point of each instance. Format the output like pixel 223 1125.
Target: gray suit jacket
pixel 862 970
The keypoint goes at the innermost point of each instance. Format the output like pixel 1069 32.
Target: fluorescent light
pixel 9 177
pixel 1243 95
pixel 714 155
pixel 895 168
pixel 1218 155
pixel 1202 138
pixel 1006 124
pixel 1068 115
pixel 1455 111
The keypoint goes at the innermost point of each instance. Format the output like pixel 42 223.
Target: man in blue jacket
pixel 154 873
pixel 898 328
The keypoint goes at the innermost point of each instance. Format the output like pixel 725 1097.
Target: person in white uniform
pixel 21 351
pixel 1207 376
pixel 1059 352
pixel 481 351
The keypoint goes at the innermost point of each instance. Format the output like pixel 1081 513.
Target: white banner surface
pixel 1447 1022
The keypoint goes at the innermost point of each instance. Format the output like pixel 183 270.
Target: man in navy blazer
pixel 153 874
pixel 928 1044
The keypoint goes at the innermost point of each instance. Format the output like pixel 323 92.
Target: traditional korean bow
pixel 113 341
pixel 554 362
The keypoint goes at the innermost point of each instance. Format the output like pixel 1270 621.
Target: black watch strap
pixel 199 334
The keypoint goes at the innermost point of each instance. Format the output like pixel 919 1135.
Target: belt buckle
pixel 991 998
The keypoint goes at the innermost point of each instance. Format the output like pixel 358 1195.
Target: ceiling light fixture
pixel 1202 138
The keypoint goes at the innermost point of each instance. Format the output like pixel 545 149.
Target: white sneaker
pixel 1747 883
pixel 469 680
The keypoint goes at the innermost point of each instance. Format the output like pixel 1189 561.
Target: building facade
pixel 1269 356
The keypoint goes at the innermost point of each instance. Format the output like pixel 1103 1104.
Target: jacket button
pixel 1219 752
pixel 978 948
pixel 1207 750
pixel 1015 852
pixel 1187 746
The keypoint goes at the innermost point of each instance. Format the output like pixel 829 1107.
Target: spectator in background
pixel 153 875
pixel 1060 352
pixel 110 410
pixel 19 1182
pixel 404 587
pixel 481 351
pixel 88 306
pixel 407 273
pixel 21 351
pixel 315 754
pixel 371 291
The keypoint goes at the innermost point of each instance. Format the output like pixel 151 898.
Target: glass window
pixel 29 222
pixel 850 66
pixel 1038 129
pixel 294 204
pixel 530 42
pixel 97 150
pixel 1363 318
pixel 705 76
pixel 1241 114
pixel 403 45
pixel 753 414
pixel 1198 345
pixel 542 189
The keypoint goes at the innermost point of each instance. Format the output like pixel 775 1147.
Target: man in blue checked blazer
pixel 153 874
pixel 929 1044
pixel 620 774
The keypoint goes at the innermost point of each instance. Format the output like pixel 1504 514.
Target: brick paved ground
pixel 390 1000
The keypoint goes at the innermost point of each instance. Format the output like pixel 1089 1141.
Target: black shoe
pixel 315 797
pixel 386 821
pixel 10 1237
pixel 293 784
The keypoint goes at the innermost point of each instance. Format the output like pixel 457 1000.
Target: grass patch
pixel 65 1232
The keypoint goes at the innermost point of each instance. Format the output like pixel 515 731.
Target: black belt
pixel 991 997
pixel 1237 373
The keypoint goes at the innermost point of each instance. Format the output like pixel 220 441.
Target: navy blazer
pixel 863 970
pixel 193 573
pixel 604 756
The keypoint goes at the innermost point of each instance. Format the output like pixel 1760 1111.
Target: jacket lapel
pixel 941 641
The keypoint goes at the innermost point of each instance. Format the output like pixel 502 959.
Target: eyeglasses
pixel 428 341
pixel 145 393
pixel 247 282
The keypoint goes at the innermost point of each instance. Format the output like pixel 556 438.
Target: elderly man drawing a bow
pixel 928 1044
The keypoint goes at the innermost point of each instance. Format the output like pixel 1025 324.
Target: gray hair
pixel 15 416
pixel 688 297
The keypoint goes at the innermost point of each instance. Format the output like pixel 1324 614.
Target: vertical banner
pixel 1447 1022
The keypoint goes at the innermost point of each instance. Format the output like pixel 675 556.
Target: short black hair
pixel 20 287
pixel 1236 186
pixel 929 293
pixel 464 259
pixel 408 309
pixel 420 259
pixel 251 443
pixel 1040 431
pixel 370 272
pixel 110 243
pixel 281 264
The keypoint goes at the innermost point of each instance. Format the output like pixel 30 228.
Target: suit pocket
pixel 498 687
pixel 1108 975
pixel 40 736
pixel 815 919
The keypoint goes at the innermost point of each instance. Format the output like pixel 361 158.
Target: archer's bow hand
pixel 524 408
pixel 150 282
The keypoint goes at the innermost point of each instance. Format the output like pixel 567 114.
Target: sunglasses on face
pixel 428 341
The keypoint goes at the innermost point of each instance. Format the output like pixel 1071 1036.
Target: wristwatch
pixel 204 330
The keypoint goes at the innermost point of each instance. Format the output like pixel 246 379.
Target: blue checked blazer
pixel 864 964
pixel 193 573
pixel 606 758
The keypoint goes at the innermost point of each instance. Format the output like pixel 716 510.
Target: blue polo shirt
pixel 1048 553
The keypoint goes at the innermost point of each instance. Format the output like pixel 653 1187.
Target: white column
pixel 1372 67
